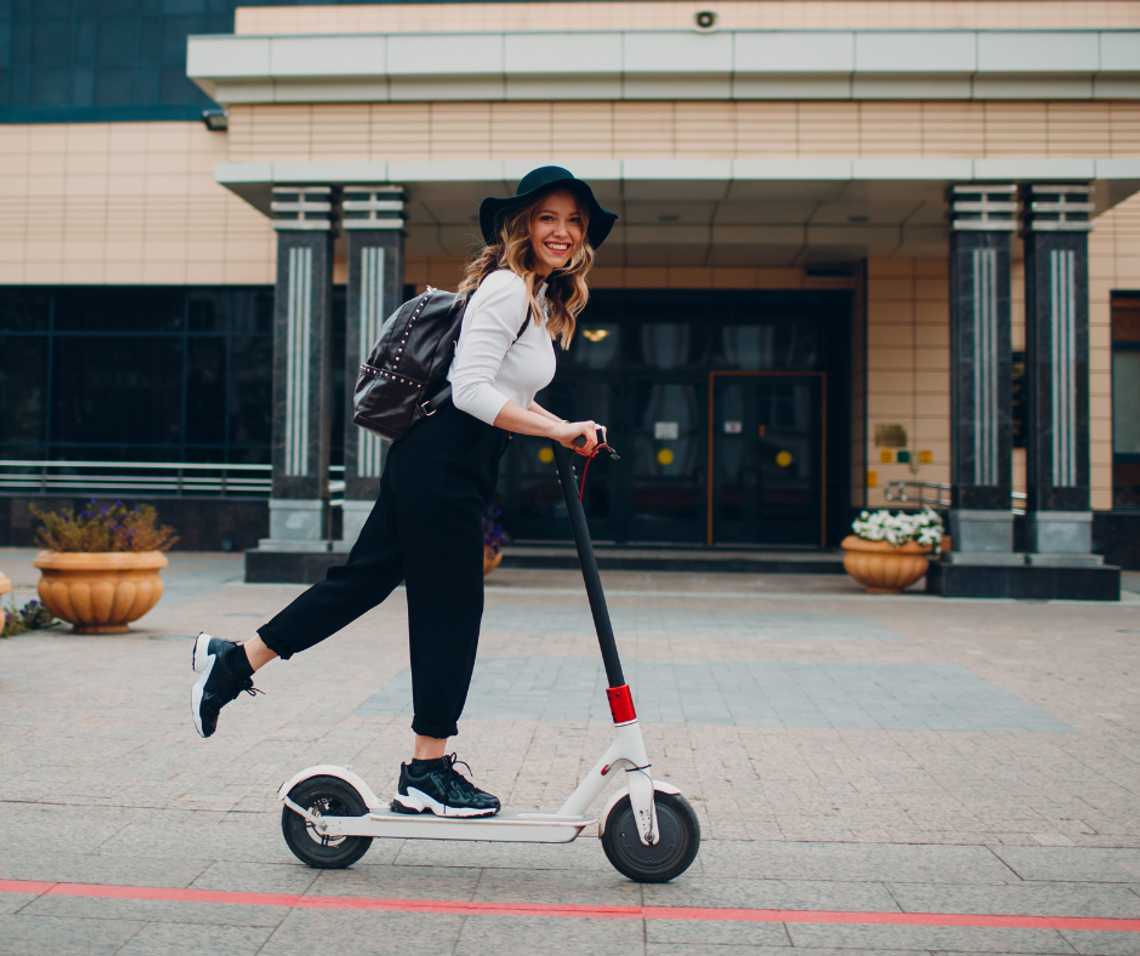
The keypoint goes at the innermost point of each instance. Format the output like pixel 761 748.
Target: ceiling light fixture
pixel 217 121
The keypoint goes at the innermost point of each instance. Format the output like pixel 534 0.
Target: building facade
pixel 860 244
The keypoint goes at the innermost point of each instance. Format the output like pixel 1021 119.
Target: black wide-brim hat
pixel 546 179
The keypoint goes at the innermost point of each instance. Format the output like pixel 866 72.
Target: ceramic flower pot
pixel 5 585
pixel 491 559
pixel 884 568
pixel 100 592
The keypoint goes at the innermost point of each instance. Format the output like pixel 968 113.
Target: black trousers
pixel 426 530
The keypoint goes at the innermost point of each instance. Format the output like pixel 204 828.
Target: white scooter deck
pixel 506 826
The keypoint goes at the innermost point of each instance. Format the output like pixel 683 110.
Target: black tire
pixel 329 797
pixel 669 857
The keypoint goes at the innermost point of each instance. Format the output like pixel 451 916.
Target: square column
pixel 983 218
pixel 1058 518
pixel 373 221
pixel 302 306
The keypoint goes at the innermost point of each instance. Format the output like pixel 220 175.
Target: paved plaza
pixel 872 774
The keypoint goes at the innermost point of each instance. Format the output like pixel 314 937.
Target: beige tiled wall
pixel 124 203
pixel 1114 265
pixel 734 14
pixel 668 130
pixel 908 366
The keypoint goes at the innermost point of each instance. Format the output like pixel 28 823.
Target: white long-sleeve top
pixel 490 368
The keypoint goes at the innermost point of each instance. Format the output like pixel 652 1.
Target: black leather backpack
pixel 405 377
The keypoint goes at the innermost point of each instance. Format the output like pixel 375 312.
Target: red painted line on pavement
pixel 569 911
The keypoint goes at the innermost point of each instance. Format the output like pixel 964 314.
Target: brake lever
pixel 580 442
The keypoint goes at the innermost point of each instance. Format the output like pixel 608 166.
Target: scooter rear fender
pixel 659 786
pixel 347 774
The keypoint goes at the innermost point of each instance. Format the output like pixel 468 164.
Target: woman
pixel 526 288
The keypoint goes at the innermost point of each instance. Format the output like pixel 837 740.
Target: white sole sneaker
pixel 203 663
pixel 416 801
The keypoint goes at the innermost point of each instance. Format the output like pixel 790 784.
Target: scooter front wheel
pixel 669 857
pixel 325 797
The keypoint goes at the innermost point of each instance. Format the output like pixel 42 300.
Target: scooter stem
pixel 562 457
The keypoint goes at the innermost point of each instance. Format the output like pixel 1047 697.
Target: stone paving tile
pixel 419 883
pixel 1038 942
pixel 707 932
pixel 565 886
pixel 116 787
pixel 1073 863
pixel 309 932
pixel 1056 899
pixel 256 877
pixel 178 870
pixel 1104 944
pixel 11 903
pixel 763 693
pixel 49 936
pixel 218 914
pixel 856 862
pixel 179 939
pixel 721 949
pixel 493 935
pixel 771 894
pixel 552 619
pixel 584 854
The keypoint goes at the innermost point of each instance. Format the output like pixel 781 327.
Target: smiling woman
pixel 525 289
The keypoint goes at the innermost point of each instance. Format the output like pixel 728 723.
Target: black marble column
pixel 983 218
pixel 1057 223
pixel 373 221
pixel 298 518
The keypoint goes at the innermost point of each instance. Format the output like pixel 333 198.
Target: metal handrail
pixel 897 491
pixel 129 477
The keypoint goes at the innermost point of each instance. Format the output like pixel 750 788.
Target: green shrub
pixel 110 528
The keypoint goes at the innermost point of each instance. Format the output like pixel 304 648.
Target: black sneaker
pixel 218 680
pixel 443 790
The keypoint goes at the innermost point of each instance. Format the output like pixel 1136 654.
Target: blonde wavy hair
pixel 566 289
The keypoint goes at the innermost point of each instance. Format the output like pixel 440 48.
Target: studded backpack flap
pixel 405 377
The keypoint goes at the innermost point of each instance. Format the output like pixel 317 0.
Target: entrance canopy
pixel 745 212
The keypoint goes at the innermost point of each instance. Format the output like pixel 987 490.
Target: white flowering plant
pixel 923 527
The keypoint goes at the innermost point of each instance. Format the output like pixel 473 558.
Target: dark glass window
pixel 149 373
pixel 105 60
pixel 120 309
pixel 122 390
pixel 24 309
pixel 23 395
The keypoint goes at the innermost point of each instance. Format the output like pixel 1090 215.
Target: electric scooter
pixel 648 830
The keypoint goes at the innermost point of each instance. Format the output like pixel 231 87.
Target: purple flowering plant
pixel 31 617
pixel 494 537
pixel 112 527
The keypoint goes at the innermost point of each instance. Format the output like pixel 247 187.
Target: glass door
pixel 766 456
pixel 662 431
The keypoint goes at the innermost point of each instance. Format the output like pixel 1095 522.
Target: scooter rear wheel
pixel 326 797
pixel 669 857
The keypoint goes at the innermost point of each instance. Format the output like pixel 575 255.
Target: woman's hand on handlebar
pixel 566 432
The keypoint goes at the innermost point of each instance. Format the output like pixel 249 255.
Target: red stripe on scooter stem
pixel 621 704
pixel 568 910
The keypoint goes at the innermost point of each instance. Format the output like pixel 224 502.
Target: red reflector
pixel 621 704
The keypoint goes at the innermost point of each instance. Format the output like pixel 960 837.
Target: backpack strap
pixel 431 406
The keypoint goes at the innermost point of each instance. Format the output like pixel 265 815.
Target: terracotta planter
pixel 491 560
pixel 5 585
pixel 100 592
pixel 883 568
